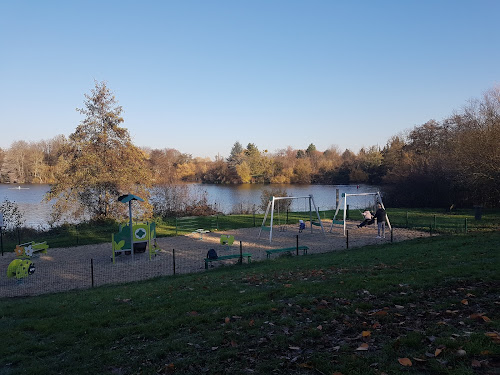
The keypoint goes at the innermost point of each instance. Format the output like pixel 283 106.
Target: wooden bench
pixel 226 257
pixel 287 249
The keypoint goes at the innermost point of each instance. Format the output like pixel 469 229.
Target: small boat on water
pixel 19 188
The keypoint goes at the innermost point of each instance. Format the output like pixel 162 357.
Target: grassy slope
pixel 294 315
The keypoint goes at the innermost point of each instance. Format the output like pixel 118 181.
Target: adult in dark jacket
pixel 380 215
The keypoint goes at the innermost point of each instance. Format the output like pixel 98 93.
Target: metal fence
pixel 52 276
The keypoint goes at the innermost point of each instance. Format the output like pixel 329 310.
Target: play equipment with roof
pixel 134 238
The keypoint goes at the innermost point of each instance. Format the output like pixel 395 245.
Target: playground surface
pixel 64 269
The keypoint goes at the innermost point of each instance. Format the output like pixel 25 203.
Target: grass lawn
pixel 426 306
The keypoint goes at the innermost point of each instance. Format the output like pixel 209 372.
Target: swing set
pixel 375 198
pixel 271 208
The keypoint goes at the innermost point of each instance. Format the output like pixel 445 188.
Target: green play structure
pixel 134 238
pixel 23 266
pixel 143 237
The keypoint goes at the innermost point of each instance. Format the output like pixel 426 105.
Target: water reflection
pixel 227 198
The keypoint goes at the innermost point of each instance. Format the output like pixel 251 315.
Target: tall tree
pixel 101 163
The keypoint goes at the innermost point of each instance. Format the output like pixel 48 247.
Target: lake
pixel 227 198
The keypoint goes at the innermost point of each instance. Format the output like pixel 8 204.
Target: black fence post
pixel 18 236
pixel 286 216
pixel 92 271
pixel 297 244
pixel 241 253
pixel 465 225
pixel 347 238
pixel 173 260
pixel 391 235
pixel 347 212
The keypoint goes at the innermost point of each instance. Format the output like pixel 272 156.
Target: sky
pixel 200 75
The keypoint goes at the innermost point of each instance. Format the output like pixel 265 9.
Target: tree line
pixel 455 161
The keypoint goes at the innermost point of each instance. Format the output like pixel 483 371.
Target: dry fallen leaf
pixel 437 352
pixel 464 302
pixel 227 320
pixel 405 361
pixel 419 359
pixel 475 363
pixel 486 319
pixel 363 346
pixel 320 327
pixel 251 323
pixel 366 333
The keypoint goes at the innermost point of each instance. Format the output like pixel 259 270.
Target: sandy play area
pixel 86 266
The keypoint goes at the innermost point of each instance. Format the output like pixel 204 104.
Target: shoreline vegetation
pixel 455 161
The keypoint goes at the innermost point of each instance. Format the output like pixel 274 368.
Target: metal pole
pixel 173 260
pixel 92 271
pixel 297 246
pixel 131 230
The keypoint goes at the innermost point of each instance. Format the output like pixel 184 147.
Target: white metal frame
pixel 270 206
pixel 344 201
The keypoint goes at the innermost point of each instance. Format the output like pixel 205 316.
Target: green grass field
pixel 426 306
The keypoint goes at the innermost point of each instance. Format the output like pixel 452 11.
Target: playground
pixel 82 267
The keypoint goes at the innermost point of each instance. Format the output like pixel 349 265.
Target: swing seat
pixel 263 227
pixel 316 224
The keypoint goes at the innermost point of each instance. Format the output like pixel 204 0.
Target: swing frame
pixel 270 207
pixel 343 202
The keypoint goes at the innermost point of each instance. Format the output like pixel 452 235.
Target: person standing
pixel 380 215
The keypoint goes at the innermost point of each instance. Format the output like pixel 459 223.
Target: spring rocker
pixel 134 238
pixel 23 266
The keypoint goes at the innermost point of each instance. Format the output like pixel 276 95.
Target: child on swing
pixel 369 219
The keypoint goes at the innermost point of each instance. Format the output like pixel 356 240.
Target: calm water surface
pixel 228 198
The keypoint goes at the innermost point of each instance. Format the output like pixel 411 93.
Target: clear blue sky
pixel 200 75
